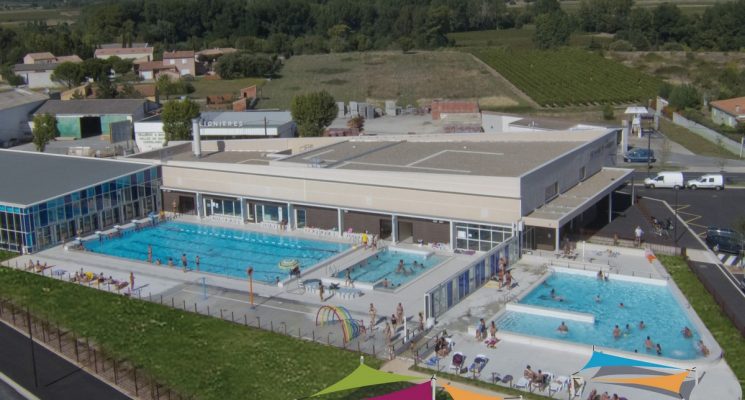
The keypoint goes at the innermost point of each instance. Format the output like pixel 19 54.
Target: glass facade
pixel 222 206
pixel 480 237
pixel 41 225
pixel 456 288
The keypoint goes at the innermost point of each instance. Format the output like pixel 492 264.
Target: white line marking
pixel 452 151
pixel 721 256
pixel 730 261
pixel 18 388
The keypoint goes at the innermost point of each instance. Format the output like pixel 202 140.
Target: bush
pixel 672 46
pixel 685 96
pixel 621 45
pixel 608 112
pixel 243 65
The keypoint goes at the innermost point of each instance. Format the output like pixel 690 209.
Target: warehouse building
pixel 48 199
pixel 83 118
pixel 15 107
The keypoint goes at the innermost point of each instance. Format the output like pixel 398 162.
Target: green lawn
pixel 50 16
pixel 204 88
pixel 692 141
pixel 199 356
pixel 7 255
pixel 570 76
pixel 378 76
pixel 718 324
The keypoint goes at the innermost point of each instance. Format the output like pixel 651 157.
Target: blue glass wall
pixel 82 212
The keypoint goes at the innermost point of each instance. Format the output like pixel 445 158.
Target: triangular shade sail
pixel 670 383
pixel 607 360
pixel 461 394
pixel 366 376
pixel 422 391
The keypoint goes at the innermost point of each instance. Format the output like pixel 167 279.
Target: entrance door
pixel 406 232
pixel 300 218
pixel 386 229
pixel 185 205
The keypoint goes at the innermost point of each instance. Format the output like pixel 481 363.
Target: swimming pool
pixel 652 303
pixel 221 251
pixel 383 265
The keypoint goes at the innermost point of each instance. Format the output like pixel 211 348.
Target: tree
pixel 406 44
pixel 313 112
pixel 45 130
pixel 177 116
pixel 552 30
pixel 685 96
pixel 68 73
pixel 119 65
pixel 608 112
pixel 11 77
pixel 357 122
pixel 545 7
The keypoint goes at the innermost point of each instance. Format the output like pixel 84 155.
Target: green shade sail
pixel 366 376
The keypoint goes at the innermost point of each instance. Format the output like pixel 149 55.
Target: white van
pixel 672 180
pixel 708 181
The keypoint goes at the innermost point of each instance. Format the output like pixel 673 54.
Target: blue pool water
pixel 221 251
pixel 384 263
pixel 655 305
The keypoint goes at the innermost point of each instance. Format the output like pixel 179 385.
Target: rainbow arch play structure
pixel 329 315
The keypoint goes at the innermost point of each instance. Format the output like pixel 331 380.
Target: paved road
pixel 8 393
pixel 715 280
pixel 58 379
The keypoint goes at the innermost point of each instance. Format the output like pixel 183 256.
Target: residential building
pixel 37 69
pixel 442 109
pixel 182 60
pixel 142 54
pixel 728 112
pixel 119 45
pixel 63 197
pixel 153 69
pixel 15 107
pixel 83 118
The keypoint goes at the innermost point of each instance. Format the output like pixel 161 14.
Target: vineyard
pixel 570 77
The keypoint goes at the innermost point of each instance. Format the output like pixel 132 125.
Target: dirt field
pixel 377 76
pixel 700 68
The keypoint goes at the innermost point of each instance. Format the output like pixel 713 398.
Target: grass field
pixel 693 142
pixel 570 76
pixel 518 38
pixel 378 76
pixel 204 88
pixel 719 325
pixel 51 17
pixel 199 356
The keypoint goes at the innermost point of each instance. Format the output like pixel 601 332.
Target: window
pixel 552 190
pixel 480 237
pixel 300 217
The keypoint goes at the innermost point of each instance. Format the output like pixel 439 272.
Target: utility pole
pixel 649 153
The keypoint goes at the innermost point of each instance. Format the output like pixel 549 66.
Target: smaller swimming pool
pixel 383 266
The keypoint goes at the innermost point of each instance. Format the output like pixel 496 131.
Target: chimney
pixel 196 144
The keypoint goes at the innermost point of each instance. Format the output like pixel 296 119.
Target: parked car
pixel 672 180
pixel 708 181
pixel 639 155
pixel 724 243
pixel 716 231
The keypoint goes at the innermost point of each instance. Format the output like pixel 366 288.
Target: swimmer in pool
pixel 597 298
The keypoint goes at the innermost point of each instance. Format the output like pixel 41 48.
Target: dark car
pixel 724 243
pixel 713 230
pixel 639 155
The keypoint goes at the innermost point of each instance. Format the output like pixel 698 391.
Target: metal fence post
pixel 134 375
pixel 116 373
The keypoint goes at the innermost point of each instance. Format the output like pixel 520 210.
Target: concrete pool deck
pixel 291 309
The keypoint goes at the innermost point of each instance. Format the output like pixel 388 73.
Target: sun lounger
pixel 457 362
pixel 558 384
pixel 478 365
pixel 433 361
pixel 523 384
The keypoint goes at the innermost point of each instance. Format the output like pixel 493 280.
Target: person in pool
pixel 400 269
pixel 597 298
pixel 616 332
pixel 659 349
pixel 641 325
pixel 648 343
pixel 687 332
pixel 628 330
pixel 555 297
pixel 563 328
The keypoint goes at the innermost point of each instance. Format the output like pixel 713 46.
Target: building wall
pixel 720 117
pixel 323 218
pixel 92 208
pixel 38 79
pixel 565 171
pixel 428 231
pixel 107 120
pixel 69 126
pixel 361 222
pixel 375 193
pixel 15 120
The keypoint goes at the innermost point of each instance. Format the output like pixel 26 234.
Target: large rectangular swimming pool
pixel 221 251
pixel 654 304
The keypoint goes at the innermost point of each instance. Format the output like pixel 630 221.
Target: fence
pixel 708 134
pixel 122 373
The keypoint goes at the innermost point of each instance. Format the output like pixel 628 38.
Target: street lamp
pixel 649 151
pixel 250 272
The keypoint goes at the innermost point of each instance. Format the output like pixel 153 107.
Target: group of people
pixel 38 267
pixel 401 268
pixel 184 260
pixel 594 395
pixel 504 276
pixel 537 379
pixel 370 241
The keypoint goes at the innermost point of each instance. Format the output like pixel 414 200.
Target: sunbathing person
pixel 528 373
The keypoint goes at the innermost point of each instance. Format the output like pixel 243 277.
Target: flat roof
pixel 575 200
pixel 92 107
pixel 486 158
pixel 244 118
pixel 18 97
pixel 36 177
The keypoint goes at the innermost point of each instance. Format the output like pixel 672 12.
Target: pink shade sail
pixel 422 391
